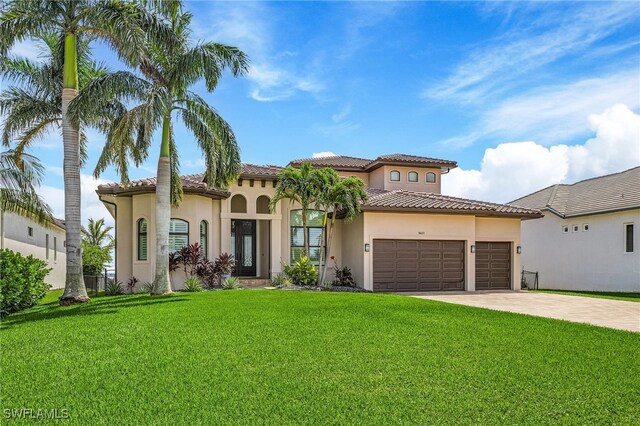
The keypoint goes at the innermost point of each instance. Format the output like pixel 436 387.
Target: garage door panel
pixel 493 265
pixel 418 265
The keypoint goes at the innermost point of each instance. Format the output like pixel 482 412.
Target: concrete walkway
pixel 603 312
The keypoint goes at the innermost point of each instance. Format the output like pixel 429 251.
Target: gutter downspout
pixel 115 230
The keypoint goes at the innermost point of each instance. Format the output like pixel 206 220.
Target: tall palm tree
pixel 162 95
pixel 341 196
pixel 300 186
pixel 19 176
pixel 98 234
pixel 123 26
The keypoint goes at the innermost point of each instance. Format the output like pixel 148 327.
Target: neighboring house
pixel 46 242
pixel 408 237
pixel 589 237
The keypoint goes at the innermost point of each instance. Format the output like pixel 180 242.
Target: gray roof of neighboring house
pixel 401 200
pixel 342 162
pixel 604 194
pixel 60 223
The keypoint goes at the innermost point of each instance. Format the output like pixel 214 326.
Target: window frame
pixel 409 176
pixel 30 232
pixel 322 246
pixel 426 177
pixel 205 235
pixel 139 233
pixel 626 239
pixel 178 233
pixel 391 179
pixel 46 243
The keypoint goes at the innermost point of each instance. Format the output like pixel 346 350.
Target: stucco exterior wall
pixel 352 248
pixel 380 178
pixel 584 260
pixel 15 237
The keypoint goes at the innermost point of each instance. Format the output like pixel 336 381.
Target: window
pixel 575 228
pixel 238 204
pixel 412 177
pixel 55 248
pixel 585 227
pixel 314 233
pixel 204 228
pixel 394 176
pixel 262 205
pixel 46 245
pixel 29 231
pixel 431 177
pixel 178 234
pixel 565 229
pixel 628 237
pixel 142 239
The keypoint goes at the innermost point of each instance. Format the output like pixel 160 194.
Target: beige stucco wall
pixel 380 178
pixel 364 176
pixel 14 236
pixel 583 260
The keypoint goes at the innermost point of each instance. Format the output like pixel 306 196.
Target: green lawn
pixel 289 357
pixel 630 297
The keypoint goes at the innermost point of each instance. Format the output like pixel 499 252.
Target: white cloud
pixel 500 65
pixel 92 207
pixel 512 170
pixel 323 154
pixel 554 113
pixel 28 49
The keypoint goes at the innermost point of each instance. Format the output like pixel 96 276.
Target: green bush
pixel 192 284
pixel 231 283
pixel 344 278
pixel 281 279
pixel 114 288
pixel 302 272
pixel 94 258
pixel 146 287
pixel 21 281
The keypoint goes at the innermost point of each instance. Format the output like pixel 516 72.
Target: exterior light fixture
pixel 473 248
pixel 518 249
pixel 367 247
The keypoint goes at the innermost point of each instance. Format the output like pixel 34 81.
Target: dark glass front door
pixel 243 245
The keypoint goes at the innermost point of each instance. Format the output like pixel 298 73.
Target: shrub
pixel 281 279
pixel 146 288
pixel 94 258
pixel 231 283
pixel 114 288
pixel 344 278
pixel 131 284
pixel 302 272
pixel 21 282
pixel 192 284
pixel 224 264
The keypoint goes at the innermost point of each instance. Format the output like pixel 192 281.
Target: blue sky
pixel 522 95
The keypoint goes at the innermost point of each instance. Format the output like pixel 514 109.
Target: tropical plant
pixel 302 272
pixel 191 256
pixel 147 288
pixel 113 288
pixel 231 283
pixel 18 178
pixel 298 186
pixel 344 277
pixel 225 264
pixel 97 233
pixel 94 258
pixel 281 279
pixel 131 284
pixel 21 281
pixel 342 197
pixel 123 25
pixel 169 72
pixel 192 284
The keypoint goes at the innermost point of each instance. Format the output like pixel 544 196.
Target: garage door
pixel 493 266
pixel 418 265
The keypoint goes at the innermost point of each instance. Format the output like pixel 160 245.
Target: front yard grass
pixel 290 357
pixel 630 297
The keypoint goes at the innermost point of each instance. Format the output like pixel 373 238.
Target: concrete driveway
pixel 603 312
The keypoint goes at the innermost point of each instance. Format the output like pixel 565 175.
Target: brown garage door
pixel 493 266
pixel 418 265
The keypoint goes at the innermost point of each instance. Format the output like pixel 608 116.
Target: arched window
pixel 431 177
pixel 315 219
pixel 238 204
pixel 142 239
pixel 262 205
pixel 204 231
pixel 412 177
pixel 394 176
pixel 178 234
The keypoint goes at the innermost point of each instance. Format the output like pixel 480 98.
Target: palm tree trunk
pixel 162 281
pixel 74 288
pixel 322 250
pixel 304 232
pixel 333 222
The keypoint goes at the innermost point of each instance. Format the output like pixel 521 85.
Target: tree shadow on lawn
pixel 97 306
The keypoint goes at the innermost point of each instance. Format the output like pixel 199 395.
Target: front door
pixel 243 245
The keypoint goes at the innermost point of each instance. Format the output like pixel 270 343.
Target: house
pixel 45 242
pixel 589 237
pixel 409 236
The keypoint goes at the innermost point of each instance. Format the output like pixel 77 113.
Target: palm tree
pixel 98 234
pixel 19 176
pixel 299 186
pixel 123 26
pixel 341 196
pixel 169 72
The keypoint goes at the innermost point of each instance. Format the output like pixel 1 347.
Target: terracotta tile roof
pixel 60 223
pixel 400 200
pixel 615 192
pixel 341 162
pixel 252 170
